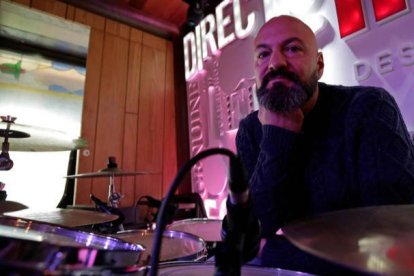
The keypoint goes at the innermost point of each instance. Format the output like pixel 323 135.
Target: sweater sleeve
pixel 266 162
pixel 385 153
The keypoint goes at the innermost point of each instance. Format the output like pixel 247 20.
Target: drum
pixel 208 269
pixel 30 246
pixel 207 229
pixel 176 246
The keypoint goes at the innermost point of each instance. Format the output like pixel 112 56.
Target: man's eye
pixel 262 55
pixel 293 49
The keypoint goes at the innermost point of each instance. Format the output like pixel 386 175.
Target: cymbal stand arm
pixel 5 162
pixel 113 197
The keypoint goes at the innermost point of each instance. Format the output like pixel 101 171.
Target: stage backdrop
pixel 364 43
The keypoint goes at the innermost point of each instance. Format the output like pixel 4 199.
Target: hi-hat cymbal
pixel 107 172
pixel 31 138
pixel 376 239
pixel 64 217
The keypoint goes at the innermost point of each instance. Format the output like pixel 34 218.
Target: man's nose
pixel 277 60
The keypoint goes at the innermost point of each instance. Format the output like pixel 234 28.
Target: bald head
pixel 287 59
pixel 288 25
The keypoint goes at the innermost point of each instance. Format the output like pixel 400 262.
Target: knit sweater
pixel 354 150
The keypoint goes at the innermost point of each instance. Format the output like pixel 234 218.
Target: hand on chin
pixel 292 120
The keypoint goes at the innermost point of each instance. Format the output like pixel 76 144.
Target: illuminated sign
pixel 196 44
pixel 351 15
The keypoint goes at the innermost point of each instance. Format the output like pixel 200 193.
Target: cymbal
pixel 376 239
pixel 107 172
pixel 31 138
pixel 64 217
pixel 10 206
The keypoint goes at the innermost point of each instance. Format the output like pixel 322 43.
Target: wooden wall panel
pixel 128 109
pixel 170 137
pixel 89 19
pixel 117 29
pixel 129 159
pixel 151 110
pixel 23 2
pixel 149 185
pixel 50 6
pixel 134 73
pixel 111 106
pixel 70 13
pixel 90 114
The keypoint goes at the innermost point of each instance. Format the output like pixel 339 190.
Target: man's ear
pixel 320 65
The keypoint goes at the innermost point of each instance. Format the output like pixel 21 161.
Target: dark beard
pixel 280 98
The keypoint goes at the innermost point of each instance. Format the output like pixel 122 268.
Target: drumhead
pixel 176 246
pixel 43 246
pixel 207 229
pixel 208 269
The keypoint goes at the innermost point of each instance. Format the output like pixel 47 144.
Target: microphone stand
pixel 161 218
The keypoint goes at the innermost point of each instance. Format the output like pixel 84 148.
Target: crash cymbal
pixel 31 138
pixel 107 172
pixel 64 217
pixel 376 240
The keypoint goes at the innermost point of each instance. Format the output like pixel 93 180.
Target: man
pixel 314 148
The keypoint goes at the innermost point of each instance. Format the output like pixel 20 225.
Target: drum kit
pixel 370 240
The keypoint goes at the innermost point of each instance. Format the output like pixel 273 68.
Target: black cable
pixel 160 226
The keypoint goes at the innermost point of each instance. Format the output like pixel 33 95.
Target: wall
pixel 221 89
pixel 129 108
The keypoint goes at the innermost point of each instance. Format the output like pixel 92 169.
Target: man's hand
pixel 291 121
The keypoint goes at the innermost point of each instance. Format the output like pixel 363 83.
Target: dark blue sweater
pixel 354 150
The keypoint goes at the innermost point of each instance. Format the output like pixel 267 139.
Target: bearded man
pixel 312 147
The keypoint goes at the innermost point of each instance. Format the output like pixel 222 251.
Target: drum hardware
pixel 110 171
pixel 110 227
pixel 374 240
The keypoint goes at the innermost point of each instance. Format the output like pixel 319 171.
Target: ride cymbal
pixel 31 138
pixel 376 239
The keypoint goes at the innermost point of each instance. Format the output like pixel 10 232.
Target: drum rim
pixel 195 256
pixel 183 221
pixel 166 233
pixel 59 230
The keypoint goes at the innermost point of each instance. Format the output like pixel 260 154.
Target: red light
pixel 350 16
pixel 387 8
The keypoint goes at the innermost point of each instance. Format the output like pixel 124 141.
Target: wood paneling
pixel 170 137
pixel 128 109
pixel 89 19
pixel 90 113
pixel 151 110
pixel 50 6
pixel 23 2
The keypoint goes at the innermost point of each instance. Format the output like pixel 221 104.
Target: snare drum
pixel 176 246
pixel 32 246
pixel 208 269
